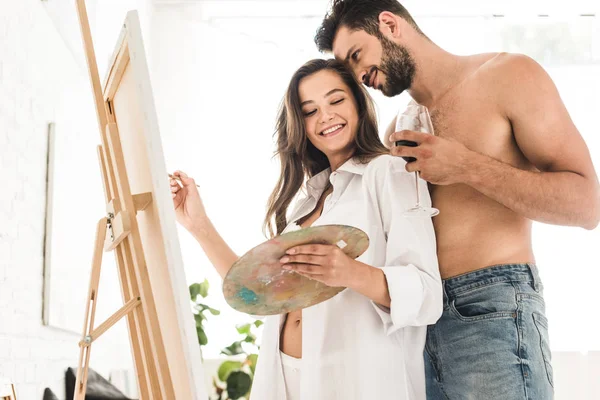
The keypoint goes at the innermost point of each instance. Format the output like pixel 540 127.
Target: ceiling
pixel 107 15
pixel 437 8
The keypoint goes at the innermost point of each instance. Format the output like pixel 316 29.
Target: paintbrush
pixel 178 179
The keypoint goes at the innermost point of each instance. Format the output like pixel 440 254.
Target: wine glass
pixel 415 118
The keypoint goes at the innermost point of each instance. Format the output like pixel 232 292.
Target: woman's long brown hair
pixel 299 158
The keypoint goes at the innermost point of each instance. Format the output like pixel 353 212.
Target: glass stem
pixel 417 187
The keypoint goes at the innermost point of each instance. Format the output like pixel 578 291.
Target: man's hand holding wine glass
pixel 440 161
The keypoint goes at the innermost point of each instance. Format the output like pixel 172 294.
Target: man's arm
pixel 564 190
pixel 561 197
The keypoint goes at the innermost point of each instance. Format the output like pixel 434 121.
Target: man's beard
pixel 398 66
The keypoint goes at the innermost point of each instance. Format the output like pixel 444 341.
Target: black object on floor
pixel 49 395
pixel 98 388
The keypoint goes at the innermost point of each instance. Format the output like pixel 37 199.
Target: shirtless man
pixel 505 153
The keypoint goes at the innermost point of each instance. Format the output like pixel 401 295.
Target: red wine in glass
pixel 408 143
pixel 415 118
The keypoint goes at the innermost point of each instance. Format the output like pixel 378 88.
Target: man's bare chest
pixel 476 122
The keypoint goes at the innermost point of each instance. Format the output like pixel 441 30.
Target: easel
pixel 119 231
pixel 7 392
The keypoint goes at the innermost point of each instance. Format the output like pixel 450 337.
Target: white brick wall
pixel 35 69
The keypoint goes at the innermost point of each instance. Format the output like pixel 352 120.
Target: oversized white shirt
pixel 352 348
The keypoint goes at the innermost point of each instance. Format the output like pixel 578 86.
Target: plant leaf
pixel 227 368
pixel 243 329
pixel 204 288
pixel 258 323
pixel 238 384
pixel 233 350
pixel 250 338
pixel 199 320
pixel 252 359
pixel 202 339
pixel 194 291
pixel 200 307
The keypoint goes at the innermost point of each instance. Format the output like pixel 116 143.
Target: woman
pixel 367 342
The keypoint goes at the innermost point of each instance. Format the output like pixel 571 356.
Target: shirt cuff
pixel 406 292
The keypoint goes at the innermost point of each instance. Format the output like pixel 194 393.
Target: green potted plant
pixel 234 375
pixel 199 291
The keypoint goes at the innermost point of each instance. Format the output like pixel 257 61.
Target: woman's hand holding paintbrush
pixel 177 178
pixel 189 208
pixel 190 213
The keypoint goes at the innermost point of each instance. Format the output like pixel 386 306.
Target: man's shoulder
pixel 506 75
pixel 502 67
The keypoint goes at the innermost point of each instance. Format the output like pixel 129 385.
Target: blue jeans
pixel 492 339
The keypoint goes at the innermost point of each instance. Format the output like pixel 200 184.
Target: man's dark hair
pixel 357 15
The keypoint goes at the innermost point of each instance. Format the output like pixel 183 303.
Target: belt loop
pixel 445 295
pixel 535 277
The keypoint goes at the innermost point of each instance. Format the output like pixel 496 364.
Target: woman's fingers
pixel 316 249
pixel 304 268
pixel 184 180
pixel 303 259
pixel 180 174
pixel 175 186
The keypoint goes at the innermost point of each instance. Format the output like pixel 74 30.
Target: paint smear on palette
pixel 247 296
pixel 257 285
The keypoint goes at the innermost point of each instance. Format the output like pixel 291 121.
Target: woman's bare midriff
pixel 291 335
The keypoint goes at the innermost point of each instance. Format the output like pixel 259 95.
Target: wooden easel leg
pixel 90 311
pixel 8 392
pixel 148 338
pixel 146 373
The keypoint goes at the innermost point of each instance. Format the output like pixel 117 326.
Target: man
pixel 505 153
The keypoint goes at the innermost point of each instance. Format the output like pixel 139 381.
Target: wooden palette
pixel 256 283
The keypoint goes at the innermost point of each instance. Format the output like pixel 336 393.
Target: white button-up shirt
pixel 352 348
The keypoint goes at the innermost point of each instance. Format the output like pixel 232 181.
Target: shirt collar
pixel 317 183
pixel 353 166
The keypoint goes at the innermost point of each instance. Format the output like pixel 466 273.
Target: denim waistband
pixel 525 273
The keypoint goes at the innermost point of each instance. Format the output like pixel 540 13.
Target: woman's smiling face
pixel 330 113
